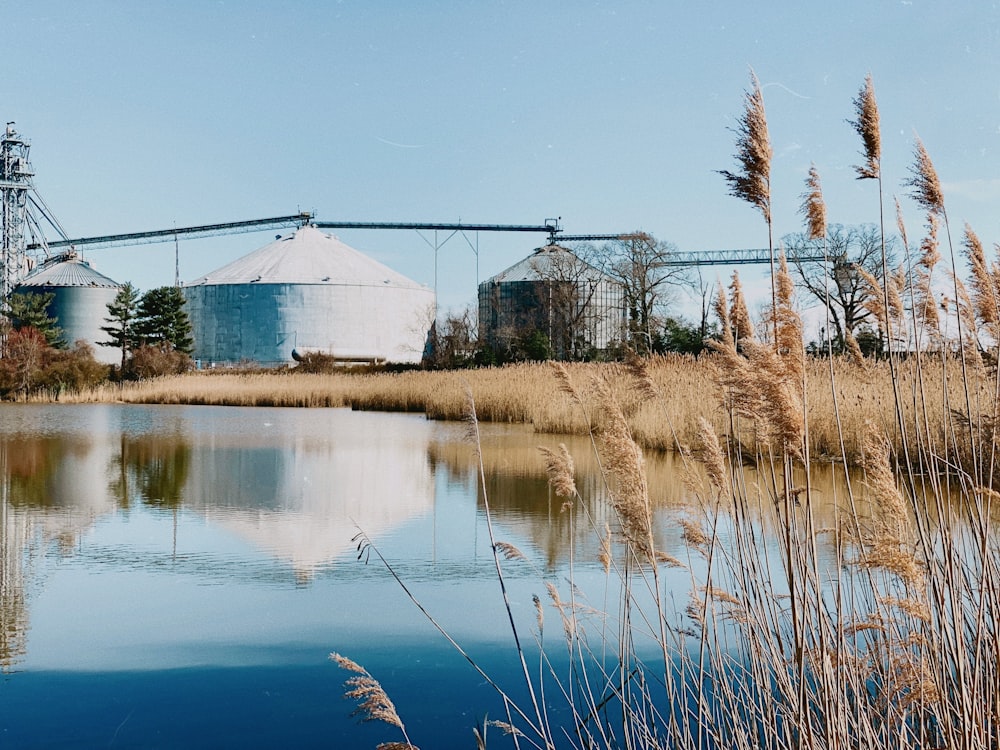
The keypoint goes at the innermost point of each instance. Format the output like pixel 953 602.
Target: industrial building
pixel 80 301
pixel 576 306
pixel 308 292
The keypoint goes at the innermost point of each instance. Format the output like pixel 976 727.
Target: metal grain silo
pixel 304 292
pixel 576 306
pixel 80 302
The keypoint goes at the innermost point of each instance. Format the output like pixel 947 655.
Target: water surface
pixel 176 576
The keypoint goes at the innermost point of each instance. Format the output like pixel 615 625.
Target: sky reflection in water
pixel 176 576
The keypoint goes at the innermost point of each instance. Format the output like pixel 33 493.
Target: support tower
pixel 15 182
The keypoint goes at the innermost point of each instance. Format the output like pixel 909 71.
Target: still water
pixel 177 576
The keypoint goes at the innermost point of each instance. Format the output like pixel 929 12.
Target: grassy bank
pixel 686 390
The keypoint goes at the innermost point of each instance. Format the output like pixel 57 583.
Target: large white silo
pixel 80 301
pixel 308 291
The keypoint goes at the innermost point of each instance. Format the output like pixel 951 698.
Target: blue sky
pixel 614 116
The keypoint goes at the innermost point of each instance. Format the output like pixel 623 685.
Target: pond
pixel 177 576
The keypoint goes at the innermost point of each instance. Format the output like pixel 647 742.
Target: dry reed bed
pixel 528 393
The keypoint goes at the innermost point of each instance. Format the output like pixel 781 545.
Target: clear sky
pixel 614 116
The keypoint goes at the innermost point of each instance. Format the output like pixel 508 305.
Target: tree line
pixel 558 310
pixel 152 331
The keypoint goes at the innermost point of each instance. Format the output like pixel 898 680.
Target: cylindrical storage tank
pixel 80 301
pixel 576 306
pixel 308 292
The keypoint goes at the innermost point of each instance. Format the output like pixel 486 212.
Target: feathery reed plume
pixel 539 613
pixel 695 609
pixel 604 556
pixel 881 478
pixel 565 383
pixel 929 254
pixel 712 457
pixel 966 310
pixel 875 299
pixel 693 535
pixel 568 623
pixel 753 153
pixel 901 225
pixel 509 551
pixel 926 188
pixel 923 295
pixel 759 386
pixel 916 609
pixel 854 349
pixel 739 313
pixel 788 323
pixel 984 288
pixel 813 207
pixel 559 467
pixel 669 560
pixel 719 595
pixel 624 461
pixel 374 703
pixel 895 287
pixel 722 312
pixel 867 126
pixel 886 546
pixel 645 386
pixel 776 381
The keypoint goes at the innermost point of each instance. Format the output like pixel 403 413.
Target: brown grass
pixel 533 394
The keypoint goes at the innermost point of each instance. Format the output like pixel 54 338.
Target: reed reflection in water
pixel 189 536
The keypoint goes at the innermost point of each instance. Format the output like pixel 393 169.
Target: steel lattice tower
pixel 15 182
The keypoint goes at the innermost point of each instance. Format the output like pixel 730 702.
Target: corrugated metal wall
pixel 81 311
pixel 265 322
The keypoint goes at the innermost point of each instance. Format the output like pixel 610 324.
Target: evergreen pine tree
pixel 162 320
pixel 30 310
pixel 121 321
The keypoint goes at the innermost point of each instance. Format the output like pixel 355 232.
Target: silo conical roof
pixel 69 271
pixel 545 262
pixel 307 256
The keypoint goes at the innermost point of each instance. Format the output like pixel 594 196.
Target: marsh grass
pixel 872 623
pixel 527 394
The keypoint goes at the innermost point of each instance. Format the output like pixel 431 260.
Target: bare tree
pixel 568 293
pixel 453 340
pixel 642 265
pixel 835 283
